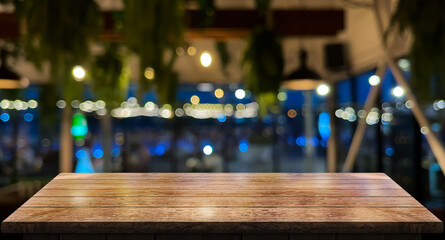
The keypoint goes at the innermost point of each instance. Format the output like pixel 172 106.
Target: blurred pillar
pixel 308 116
pixel 66 141
pixel 107 141
pixel 332 141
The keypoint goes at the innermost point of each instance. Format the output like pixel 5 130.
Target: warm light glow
pixel 404 64
pixel 291 113
pixel 194 99
pixel 240 93
pixel 323 89
pixel 398 91
pixel 191 51
pixel 219 93
pixel 282 96
pixel 206 59
pixel 374 80
pixel 79 73
pixel 149 73
pixel 207 150
pixel 61 104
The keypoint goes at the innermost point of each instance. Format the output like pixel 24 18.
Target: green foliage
pixel 60 32
pixel 426 21
pixel 110 76
pixel 263 67
pixel 263 62
pixel 224 56
pixel 262 6
pixel 206 12
pixel 153 30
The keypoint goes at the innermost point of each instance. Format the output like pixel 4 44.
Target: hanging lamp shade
pixel 8 78
pixel 302 78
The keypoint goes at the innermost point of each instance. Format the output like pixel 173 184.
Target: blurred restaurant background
pixel 219 86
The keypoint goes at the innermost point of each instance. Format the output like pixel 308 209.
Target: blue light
pixel 222 117
pixel 435 127
pixel 389 151
pixel 268 119
pixel 243 146
pixel 28 117
pixel 324 127
pixel 115 152
pixel 300 141
pixel 83 162
pixel 79 130
pixel 98 153
pixel 323 143
pixel 159 150
pixel 81 153
pixel 314 141
pixel 290 140
pixel 4 117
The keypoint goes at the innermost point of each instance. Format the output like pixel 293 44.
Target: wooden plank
pixel 270 236
pixel 360 236
pixel 332 219
pixel 267 201
pixel 41 237
pixel 228 185
pixel 223 176
pixel 223 182
pixel 195 203
pixel 130 236
pixel 85 236
pixel 222 236
pixel 222 193
pixel 257 187
pixel 178 236
pixel 402 236
pixel 312 236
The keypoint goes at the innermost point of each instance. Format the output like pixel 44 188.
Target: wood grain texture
pixel 280 203
pixel 313 236
pixel 86 236
pixel 268 236
pixel 41 237
pixel 130 236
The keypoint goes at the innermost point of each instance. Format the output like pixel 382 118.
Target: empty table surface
pixel 222 203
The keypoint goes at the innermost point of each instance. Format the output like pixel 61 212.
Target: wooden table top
pixel 222 202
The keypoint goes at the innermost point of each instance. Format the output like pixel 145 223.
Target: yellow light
pixel 240 93
pixel 374 80
pixel 79 73
pixel 240 107
pixel 398 91
pixel 282 96
pixel 191 51
pixel 206 59
pixel 291 113
pixel 323 89
pixel 149 73
pixel 194 99
pixel 219 93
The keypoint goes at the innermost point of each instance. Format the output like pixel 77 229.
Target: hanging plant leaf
pixel 263 67
pixel 224 56
pixel 60 32
pixel 153 30
pixel 207 11
pixel 110 76
pixel 426 21
pixel 262 6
